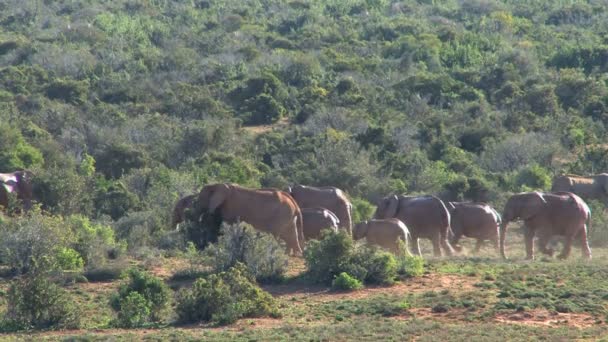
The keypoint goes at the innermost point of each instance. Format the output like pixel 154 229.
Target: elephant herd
pixel 302 212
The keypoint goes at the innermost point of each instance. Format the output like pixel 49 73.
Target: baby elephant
pixel 385 233
pixel 474 220
pixel 317 219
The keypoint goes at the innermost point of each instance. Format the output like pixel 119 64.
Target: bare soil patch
pixel 541 317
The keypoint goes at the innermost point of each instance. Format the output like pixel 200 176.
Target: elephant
pixel 179 211
pixel 19 182
pixel 475 220
pixel 268 210
pixel 385 233
pixel 548 214
pixel 587 187
pixel 425 217
pixel 317 219
pixel 328 197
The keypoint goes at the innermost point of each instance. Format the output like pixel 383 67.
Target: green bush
pixel 362 210
pixel 336 253
pixel 69 259
pixel 95 242
pixel 329 256
pixel 26 240
pixel 225 297
pixel 35 302
pixel 410 266
pixel 534 177
pixel 134 310
pixel 261 253
pixel 345 282
pixel 150 304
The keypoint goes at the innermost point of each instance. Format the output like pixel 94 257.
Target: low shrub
pixel 134 310
pixel 105 273
pixel 69 259
pixel 36 302
pixel 345 282
pixel 336 253
pixel 261 253
pixel 410 266
pixel 27 239
pixel 224 297
pixel 94 241
pixel 144 298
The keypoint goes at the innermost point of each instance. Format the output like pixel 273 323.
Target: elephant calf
pixel 385 233
pixel 474 220
pixel 317 219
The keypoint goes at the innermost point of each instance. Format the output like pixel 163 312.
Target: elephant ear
pixel 220 194
pixel 393 206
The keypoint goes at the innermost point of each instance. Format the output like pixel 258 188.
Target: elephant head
pixel 520 206
pixel 387 207
pixel 360 230
pixel 213 196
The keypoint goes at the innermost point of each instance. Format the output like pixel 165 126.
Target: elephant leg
pixel 585 244
pixel 529 240
pixel 478 245
pixel 446 246
pixel 543 241
pixel 416 245
pixel 437 245
pixel 289 234
pixel 496 243
pixel 567 247
pixel 454 242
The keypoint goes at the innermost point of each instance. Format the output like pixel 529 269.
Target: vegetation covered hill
pixel 122 106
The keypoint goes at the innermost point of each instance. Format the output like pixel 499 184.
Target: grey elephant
pixel 179 210
pixel 18 182
pixel 587 187
pixel 475 220
pixel 268 210
pixel 327 197
pixel 316 220
pixel 390 234
pixel 546 215
pixel 425 217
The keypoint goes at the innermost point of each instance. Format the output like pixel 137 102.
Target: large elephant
pixel 179 210
pixel 19 182
pixel 267 210
pixel 317 219
pixel 386 233
pixel 587 187
pixel 425 217
pixel 327 197
pixel 546 215
pixel 475 220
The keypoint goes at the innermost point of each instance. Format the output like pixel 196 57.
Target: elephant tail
pixel 300 227
pixel 446 228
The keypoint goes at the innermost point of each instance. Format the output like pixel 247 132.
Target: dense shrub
pixel 336 253
pixel 262 255
pixel 94 241
pixel 225 297
pixel 69 259
pixel 26 240
pixel 36 302
pixel 143 298
pixel 410 266
pixel 345 282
